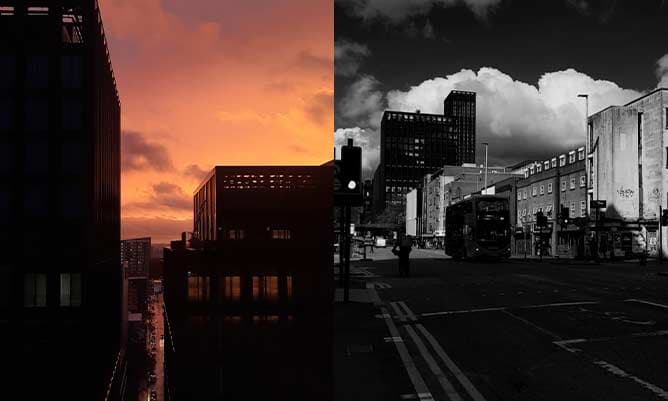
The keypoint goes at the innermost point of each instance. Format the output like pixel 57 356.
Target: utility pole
pixel 486 146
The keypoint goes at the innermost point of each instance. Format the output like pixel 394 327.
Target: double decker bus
pixel 478 227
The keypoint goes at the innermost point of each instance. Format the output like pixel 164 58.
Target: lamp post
pixel 486 146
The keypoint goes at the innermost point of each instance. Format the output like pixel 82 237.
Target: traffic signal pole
pixel 346 284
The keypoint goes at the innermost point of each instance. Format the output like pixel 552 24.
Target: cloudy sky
pixel 215 82
pixel 526 59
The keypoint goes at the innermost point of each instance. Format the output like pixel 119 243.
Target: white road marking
pixel 502 308
pixel 531 324
pixel 398 312
pixel 413 373
pixel 647 303
pixel 461 377
pixel 658 391
pixel 442 379
pixel 408 310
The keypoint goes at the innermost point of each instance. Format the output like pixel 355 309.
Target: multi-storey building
pixel 62 319
pixel 413 144
pixel 249 299
pixel 629 168
pixel 546 187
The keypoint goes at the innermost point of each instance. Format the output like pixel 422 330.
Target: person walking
pixel 402 249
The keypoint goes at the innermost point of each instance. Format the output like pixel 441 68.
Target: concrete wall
pixel 411 212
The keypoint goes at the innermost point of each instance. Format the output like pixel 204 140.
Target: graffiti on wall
pixel 625 193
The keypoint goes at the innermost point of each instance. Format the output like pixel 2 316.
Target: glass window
pixel 554 162
pixel 37 72
pixel 542 189
pixel 232 288
pixel 519 195
pixel 533 191
pixel 571 211
pixel 72 71
pixel 72 201
pixel 562 160
pixel 265 288
pixel 236 233
pixel 198 288
pixel 525 194
pixel 549 187
pixel 34 289
pixel 280 234
pixel 72 114
pixel 581 154
pixel 538 168
pixel 563 186
pixel 571 157
pixel 572 182
pixel 583 208
pixel 37 114
pixel 70 289
pixel 582 181
pixel 289 286
pixel 73 158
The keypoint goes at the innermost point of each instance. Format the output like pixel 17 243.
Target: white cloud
pixel 662 71
pixel 368 139
pixel 348 56
pixel 398 10
pixel 518 119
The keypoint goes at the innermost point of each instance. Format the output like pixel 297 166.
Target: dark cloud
pixel 320 106
pixel 348 57
pixel 138 154
pixel 195 171
pixel 161 230
pixel 164 195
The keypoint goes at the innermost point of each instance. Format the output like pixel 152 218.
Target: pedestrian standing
pixel 402 249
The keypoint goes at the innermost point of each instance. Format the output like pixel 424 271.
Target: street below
pixel 511 330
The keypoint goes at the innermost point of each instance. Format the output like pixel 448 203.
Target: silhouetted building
pixel 248 298
pixel 62 317
pixel 415 144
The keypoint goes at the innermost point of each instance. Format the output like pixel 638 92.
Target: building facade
pixel 546 187
pixel 629 170
pixel 254 286
pixel 414 144
pixel 63 308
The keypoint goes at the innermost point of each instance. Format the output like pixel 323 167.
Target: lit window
pixel 236 233
pixel 70 289
pixel 280 234
pixel 232 288
pixel 198 288
pixel 34 289
pixel 549 187
pixel 265 288
pixel 572 182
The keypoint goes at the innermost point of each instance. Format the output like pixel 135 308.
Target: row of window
pixel 36 114
pixel 540 189
pixel 264 288
pixel 548 210
pixel 34 289
pixel 547 164
pixel 239 234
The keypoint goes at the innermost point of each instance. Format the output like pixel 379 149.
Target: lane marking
pixel 459 375
pixel 502 308
pixel 658 305
pixel 408 310
pixel 534 325
pixel 564 344
pixel 658 391
pixel 442 379
pixel 398 312
pixel 421 388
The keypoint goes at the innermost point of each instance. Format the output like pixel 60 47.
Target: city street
pixel 516 330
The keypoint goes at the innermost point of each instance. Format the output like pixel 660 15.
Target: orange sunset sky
pixel 215 82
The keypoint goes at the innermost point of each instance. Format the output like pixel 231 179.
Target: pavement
pixel 512 330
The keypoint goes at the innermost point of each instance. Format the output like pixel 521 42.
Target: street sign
pixel 597 204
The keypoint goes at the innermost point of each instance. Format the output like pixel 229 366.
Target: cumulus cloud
pixel 140 154
pixel 518 119
pixel 397 11
pixel 361 103
pixel 348 57
pixel 662 71
pixel 195 171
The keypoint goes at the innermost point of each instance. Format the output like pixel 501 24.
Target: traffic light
pixel 348 176
pixel 664 217
pixel 541 219
pixel 564 216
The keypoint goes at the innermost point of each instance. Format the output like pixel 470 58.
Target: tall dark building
pixel 62 316
pixel 248 299
pixel 415 144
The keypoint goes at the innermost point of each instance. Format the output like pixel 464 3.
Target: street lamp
pixel 486 146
